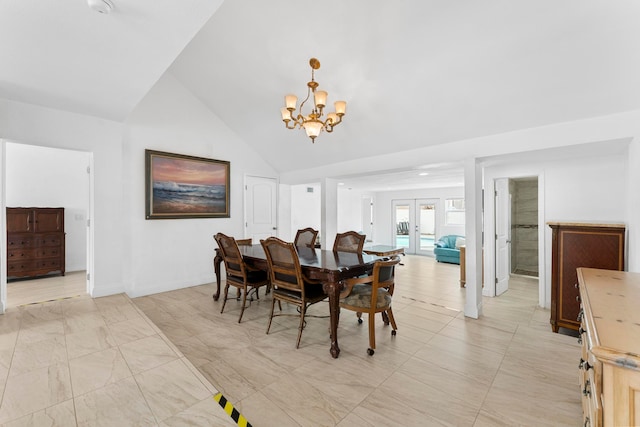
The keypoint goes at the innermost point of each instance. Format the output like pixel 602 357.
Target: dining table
pixel 327 267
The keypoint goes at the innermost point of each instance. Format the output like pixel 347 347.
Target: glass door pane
pixel 402 212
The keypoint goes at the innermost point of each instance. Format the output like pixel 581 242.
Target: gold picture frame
pixel 181 186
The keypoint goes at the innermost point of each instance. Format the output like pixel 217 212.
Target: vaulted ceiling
pixel 414 73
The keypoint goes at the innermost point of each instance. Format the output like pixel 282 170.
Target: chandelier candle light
pixel 312 122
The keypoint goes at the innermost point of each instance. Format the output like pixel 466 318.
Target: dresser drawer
pixel 19 241
pixel 15 268
pixel 48 240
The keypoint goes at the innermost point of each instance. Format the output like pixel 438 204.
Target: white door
pixel 260 208
pixel 503 234
pixel 425 228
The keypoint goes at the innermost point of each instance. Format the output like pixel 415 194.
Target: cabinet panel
pixel 48 219
pixel 574 246
pixel 19 220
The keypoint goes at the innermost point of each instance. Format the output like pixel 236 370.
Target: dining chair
pixel 350 241
pixel 371 295
pixel 288 283
pixel 239 275
pixel 306 237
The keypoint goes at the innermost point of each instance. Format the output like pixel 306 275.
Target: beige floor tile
pixel 305 403
pixel 458 356
pixel 170 389
pixel 36 355
pixel 132 329
pixel 147 353
pixel 204 413
pixel 435 405
pixel 96 370
pixel 62 414
pixel 119 404
pixel 35 390
pixel 260 411
pixel 88 341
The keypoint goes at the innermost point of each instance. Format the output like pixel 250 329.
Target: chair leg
pixel 302 311
pixel 372 332
pixel 273 303
pixel 359 317
pixel 224 299
pixel 385 318
pixel 244 303
pixel 392 320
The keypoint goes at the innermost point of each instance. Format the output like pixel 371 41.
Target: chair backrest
pixel 233 262
pixel 244 242
pixel 350 241
pixel 284 264
pixel 384 274
pixel 306 237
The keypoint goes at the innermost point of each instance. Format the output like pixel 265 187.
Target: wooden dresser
pixel 580 245
pixel 35 242
pixel 609 367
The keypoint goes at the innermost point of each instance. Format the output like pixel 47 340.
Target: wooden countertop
pixel 614 300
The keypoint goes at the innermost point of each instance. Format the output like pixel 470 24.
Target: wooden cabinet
pixel 35 242
pixel 577 245
pixel 609 366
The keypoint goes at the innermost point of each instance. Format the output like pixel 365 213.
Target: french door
pixel 415 225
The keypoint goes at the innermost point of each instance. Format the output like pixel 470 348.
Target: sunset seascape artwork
pixel 188 186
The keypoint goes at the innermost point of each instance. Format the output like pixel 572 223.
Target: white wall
pixel 173 253
pixel 383 215
pixel 349 210
pixel 51 177
pixel 31 124
pixel 306 209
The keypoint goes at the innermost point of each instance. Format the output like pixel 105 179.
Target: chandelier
pixel 312 122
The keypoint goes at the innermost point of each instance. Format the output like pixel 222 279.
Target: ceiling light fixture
pixel 312 122
pixel 101 6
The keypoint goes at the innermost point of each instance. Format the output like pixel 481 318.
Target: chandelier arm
pixel 293 124
pixel 305 100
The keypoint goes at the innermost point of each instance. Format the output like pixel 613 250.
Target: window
pixel 454 212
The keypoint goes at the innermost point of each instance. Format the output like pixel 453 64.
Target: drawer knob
pixel 580 314
pixel 587 389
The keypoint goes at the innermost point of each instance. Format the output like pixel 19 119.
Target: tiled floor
pixel 97 362
pixel 101 362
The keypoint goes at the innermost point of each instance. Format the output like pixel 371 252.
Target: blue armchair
pixel 445 249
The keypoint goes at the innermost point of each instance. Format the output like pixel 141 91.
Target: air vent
pixel 309 189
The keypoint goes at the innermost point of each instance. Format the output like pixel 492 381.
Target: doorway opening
pixel 524 226
pixel 50 177
pixel 516 229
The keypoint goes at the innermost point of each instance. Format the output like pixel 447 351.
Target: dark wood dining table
pixel 328 267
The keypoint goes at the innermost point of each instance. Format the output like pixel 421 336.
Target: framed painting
pixel 179 186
